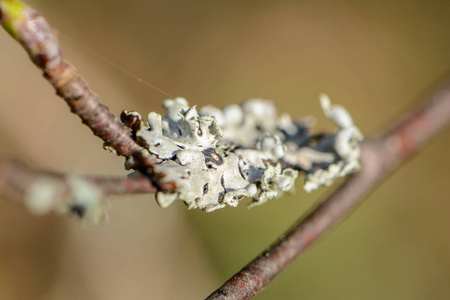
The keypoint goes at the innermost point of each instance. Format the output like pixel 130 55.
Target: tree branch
pixel 32 31
pixel 379 157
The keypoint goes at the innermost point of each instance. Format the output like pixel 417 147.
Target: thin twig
pixel 379 158
pixel 16 178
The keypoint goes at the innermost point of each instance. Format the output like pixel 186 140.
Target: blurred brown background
pixel 375 57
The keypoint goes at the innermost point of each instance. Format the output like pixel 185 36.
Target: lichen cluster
pixel 220 156
pixel 80 197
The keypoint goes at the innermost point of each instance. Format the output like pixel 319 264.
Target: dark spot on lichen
pixel 210 166
pixel 222 181
pixel 78 209
pixel 212 158
pixel 205 188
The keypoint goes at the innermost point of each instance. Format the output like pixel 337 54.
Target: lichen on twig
pixel 42 192
pixel 256 152
pixel 209 158
pixel 218 157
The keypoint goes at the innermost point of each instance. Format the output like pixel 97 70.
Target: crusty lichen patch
pixel 220 156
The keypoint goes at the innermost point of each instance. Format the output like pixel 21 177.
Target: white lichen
pixel 220 156
pixel 79 197
pixel 42 196
pixel 85 200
